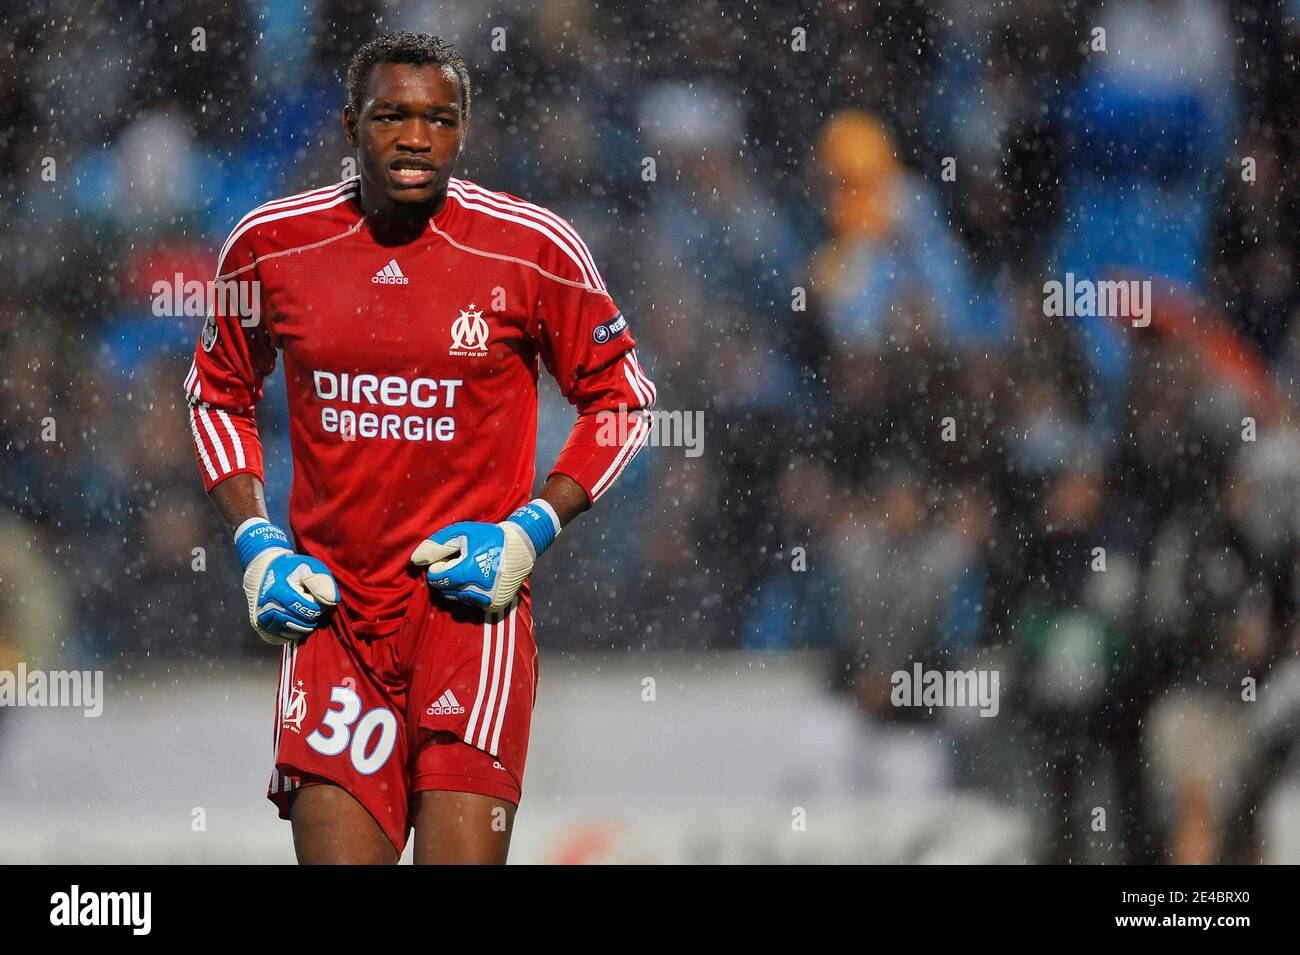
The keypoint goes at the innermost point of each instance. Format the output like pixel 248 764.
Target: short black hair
pixel 416 49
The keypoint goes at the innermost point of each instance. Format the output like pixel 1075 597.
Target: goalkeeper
pixel 412 311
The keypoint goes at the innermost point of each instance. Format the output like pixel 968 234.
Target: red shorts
pixel 445 703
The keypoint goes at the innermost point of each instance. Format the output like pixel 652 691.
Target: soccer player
pixel 411 308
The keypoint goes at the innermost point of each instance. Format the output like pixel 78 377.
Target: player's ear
pixel 350 124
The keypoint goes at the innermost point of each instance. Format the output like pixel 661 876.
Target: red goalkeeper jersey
pixel 411 373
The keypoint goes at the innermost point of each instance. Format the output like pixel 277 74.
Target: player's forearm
pixel 566 497
pixel 238 498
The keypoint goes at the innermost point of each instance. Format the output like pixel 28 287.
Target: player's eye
pixel 384 117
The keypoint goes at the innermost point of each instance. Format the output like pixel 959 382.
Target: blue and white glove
pixel 287 593
pixel 485 564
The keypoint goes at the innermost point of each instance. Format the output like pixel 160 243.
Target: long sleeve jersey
pixel 411 372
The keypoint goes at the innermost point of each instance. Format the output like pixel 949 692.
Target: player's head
pixel 407 114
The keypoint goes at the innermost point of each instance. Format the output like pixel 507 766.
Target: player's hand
pixel 484 565
pixel 288 594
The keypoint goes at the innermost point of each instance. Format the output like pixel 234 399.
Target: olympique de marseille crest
pixel 295 708
pixel 469 333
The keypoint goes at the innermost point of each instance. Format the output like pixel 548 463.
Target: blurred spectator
pixel 897 565
pixel 888 240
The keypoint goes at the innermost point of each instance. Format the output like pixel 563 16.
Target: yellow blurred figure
pixel 855 156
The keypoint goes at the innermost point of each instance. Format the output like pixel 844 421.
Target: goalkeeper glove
pixel 485 564
pixel 287 593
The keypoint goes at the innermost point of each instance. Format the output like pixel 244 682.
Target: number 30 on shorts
pixel 367 757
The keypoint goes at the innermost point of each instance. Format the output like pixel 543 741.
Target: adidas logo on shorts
pixel 446 705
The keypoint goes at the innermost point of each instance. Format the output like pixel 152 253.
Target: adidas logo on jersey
pixel 390 274
pixel 446 705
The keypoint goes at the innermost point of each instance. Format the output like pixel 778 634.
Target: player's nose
pixel 416 135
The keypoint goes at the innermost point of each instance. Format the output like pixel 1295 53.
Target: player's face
pixel 408 132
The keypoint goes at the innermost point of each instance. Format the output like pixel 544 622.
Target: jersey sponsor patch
pixel 610 330
pixel 208 337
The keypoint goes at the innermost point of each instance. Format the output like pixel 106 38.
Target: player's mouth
pixel 411 172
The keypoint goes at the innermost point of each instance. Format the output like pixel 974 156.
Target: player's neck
pixel 391 222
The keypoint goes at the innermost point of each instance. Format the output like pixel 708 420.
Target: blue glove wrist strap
pixel 257 538
pixel 539 523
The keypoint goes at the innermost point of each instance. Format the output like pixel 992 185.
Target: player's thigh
pixel 462 828
pixel 330 827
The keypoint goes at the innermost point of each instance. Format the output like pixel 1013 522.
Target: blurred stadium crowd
pixel 779 174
